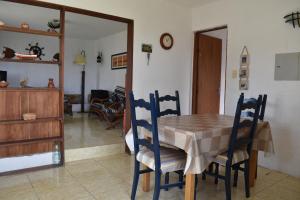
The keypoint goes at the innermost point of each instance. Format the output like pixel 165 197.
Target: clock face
pixel 166 41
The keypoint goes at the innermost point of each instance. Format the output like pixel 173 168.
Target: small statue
pixel 25 25
pixel 8 53
pixel 24 83
pixel 51 83
pixel 56 57
pixel 53 25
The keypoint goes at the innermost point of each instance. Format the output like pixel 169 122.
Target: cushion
pixel 238 156
pixel 171 160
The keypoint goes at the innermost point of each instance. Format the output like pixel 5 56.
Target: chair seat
pixel 238 156
pixel 171 159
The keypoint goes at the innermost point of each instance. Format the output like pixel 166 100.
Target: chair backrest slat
pixel 160 99
pixel 145 124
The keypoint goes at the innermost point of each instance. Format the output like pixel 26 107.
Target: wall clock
pixel 166 41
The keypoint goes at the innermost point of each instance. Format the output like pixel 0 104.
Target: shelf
pixel 29 31
pixel 31 121
pixel 49 62
pixel 30 89
pixel 32 141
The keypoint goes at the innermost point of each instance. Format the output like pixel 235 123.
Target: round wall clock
pixel 166 41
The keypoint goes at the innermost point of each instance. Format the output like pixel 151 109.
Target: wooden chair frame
pixel 154 146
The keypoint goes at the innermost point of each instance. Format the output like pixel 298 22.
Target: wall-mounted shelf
pixel 46 89
pixel 49 62
pixel 29 31
pixel 31 121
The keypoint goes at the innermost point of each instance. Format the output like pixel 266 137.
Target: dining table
pixel 203 137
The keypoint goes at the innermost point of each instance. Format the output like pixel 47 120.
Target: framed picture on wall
pixel 244 72
pixel 119 61
pixel 244 84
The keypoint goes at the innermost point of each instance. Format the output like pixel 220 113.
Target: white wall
pixel 38 74
pixel 260 26
pixel 221 34
pixel 168 70
pixel 73 71
pixel 113 44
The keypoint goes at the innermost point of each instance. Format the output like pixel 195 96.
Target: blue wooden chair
pixel 158 159
pixel 160 99
pixel 251 114
pixel 239 149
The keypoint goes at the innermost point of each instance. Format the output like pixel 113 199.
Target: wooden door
pixel 207 74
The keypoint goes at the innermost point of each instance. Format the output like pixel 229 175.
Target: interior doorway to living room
pixel 94 92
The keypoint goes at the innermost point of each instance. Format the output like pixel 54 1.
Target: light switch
pixel 234 73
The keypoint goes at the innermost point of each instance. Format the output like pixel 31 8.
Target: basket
pixel 29 116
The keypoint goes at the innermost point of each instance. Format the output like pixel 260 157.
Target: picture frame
pixel 119 61
pixel 244 84
pixel 244 60
pixel 244 72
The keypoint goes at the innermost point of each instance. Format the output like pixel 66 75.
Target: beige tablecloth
pixel 203 137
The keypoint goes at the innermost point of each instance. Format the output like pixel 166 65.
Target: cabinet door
pixel 11 104
pixel 44 103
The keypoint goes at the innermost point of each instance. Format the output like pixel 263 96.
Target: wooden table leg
pixel 189 187
pixel 252 166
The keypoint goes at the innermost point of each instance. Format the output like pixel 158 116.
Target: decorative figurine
pixel 51 83
pixel 8 53
pixel 56 57
pixel 3 84
pixel 36 50
pixel 25 25
pixel 24 82
pixel 53 25
pixel 2 23
pixel 99 57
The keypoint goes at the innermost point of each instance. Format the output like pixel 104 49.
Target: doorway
pixel 209 71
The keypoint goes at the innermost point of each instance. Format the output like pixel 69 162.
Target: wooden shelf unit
pixel 28 31
pixel 19 137
pixel 49 62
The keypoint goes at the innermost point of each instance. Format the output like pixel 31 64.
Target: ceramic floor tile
pixel 84 131
pixel 110 178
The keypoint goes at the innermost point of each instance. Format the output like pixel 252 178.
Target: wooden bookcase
pixel 19 137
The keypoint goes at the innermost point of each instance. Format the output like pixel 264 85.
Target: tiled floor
pixel 83 131
pixel 110 178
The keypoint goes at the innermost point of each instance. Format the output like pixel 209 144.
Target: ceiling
pixel 76 26
pixel 192 3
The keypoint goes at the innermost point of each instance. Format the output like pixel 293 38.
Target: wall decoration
pixel 147 48
pixel 99 57
pixel 51 83
pixel 293 18
pixel 25 25
pixel 166 41
pixel 244 72
pixel 119 61
pixel 243 84
pixel 244 69
pixel 24 83
pixel 53 25
pixel 8 53
pixel 56 57
pixel 36 50
pixel 3 84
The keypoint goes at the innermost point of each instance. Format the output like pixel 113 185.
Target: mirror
pixel 287 67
